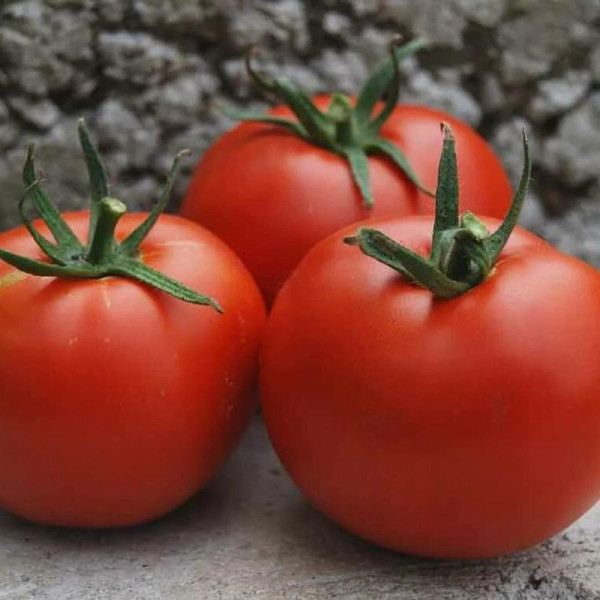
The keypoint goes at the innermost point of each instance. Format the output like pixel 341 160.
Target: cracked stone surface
pixel 148 76
pixel 249 534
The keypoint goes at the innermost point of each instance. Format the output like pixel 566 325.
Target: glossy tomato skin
pixel 461 428
pixel 118 401
pixel 272 196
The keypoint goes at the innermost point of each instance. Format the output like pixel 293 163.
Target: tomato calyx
pixel 463 251
pixel 103 255
pixel 350 132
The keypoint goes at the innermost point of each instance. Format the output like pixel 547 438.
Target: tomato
pixel 272 195
pixel 466 427
pixel 118 401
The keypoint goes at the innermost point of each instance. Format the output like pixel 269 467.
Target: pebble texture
pixel 250 535
pixel 148 75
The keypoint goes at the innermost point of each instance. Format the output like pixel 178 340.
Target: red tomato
pixel 119 401
pixel 460 428
pixel 272 196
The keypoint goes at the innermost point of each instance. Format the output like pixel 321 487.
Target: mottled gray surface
pixel 148 73
pixel 250 535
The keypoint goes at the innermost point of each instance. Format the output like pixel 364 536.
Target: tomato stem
pixel 463 252
pixel 350 132
pixel 103 241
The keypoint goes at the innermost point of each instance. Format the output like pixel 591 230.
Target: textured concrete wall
pixel 147 73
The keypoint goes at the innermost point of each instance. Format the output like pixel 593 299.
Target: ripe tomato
pixel 271 195
pixel 119 401
pixel 459 428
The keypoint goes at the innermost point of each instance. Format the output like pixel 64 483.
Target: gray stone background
pixel 147 74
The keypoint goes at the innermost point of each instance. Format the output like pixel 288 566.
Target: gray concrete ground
pixel 251 535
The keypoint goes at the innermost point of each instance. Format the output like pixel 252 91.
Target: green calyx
pixel 103 255
pixel 352 132
pixel 463 252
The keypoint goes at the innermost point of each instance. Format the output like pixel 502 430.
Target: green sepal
pixel 124 267
pixel 496 242
pixel 99 186
pixel 55 252
pixel 129 267
pixel 359 167
pixel 340 108
pixel 319 128
pixel 463 251
pixel 393 153
pixel 475 225
pixel 379 82
pixel 377 245
pixel 393 95
pixel 462 257
pixel 353 133
pixel 446 196
pixel 256 117
pixel 44 269
pixel 104 255
pixel 45 207
pixel 131 243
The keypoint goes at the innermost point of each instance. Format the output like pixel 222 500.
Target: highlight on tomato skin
pixel 122 394
pixel 416 388
pixel 272 192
